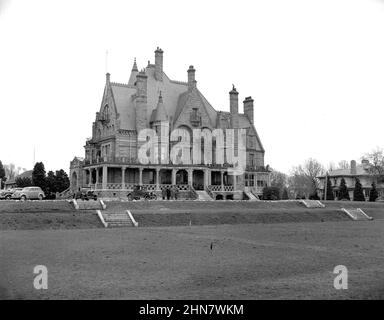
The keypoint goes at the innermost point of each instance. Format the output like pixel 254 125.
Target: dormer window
pixel 195 118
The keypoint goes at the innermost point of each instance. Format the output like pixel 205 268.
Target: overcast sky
pixel 314 68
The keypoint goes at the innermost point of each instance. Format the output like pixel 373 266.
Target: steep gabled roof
pixel 160 114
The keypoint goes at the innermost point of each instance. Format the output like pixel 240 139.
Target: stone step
pixel 115 220
pixel 203 195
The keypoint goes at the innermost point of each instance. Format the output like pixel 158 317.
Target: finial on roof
pixel 107 77
pixel 233 91
pixel 134 68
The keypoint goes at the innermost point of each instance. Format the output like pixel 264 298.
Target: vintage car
pixel 140 192
pixel 29 193
pixel 7 194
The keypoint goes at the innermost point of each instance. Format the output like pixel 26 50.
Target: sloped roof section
pixel 160 114
pixel 244 123
pixel 122 94
pixel 360 171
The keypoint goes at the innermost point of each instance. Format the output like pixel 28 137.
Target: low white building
pixel 361 171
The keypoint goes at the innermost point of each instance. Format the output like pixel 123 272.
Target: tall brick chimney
pixel 353 167
pixel 141 83
pixel 141 101
pixel 191 78
pixel 159 64
pixel 248 108
pixel 234 101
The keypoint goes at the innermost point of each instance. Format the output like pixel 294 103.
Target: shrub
pixel 271 193
pixel 358 194
pixel 343 190
pixel 373 194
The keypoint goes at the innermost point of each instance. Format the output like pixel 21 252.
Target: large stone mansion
pixel 150 99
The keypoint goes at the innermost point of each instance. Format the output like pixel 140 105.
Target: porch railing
pixel 219 188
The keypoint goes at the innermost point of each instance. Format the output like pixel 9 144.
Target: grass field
pixel 248 260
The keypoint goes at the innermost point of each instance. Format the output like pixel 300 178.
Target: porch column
pixel 85 178
pixel 206 178
pixel 222 180
pixel 97 176
pixel 105 177
pixel 140 176
pixel 173 176
pixel 190 177
pixel 157 178
pixel 90 177
pixel 234 182
pixel 123 177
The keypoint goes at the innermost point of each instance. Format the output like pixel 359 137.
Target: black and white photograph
pixel 206 153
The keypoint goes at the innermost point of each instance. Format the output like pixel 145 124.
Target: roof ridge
pixel 178 82
pixel 117 84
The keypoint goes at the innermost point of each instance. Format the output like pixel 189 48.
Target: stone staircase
pixel 203 195
pixel 251 196
pixel 115 220
pixel 312 203
pixel 356 214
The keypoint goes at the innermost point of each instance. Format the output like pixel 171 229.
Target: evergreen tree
pixel 358 194
pixel 373 194
pixel 62 181
pixel 50 182
pixel 56 182
pixel 343 190
pixel 2 175
pixel 22 182
pixel 329 190
pixel 285 194
pixel 38 176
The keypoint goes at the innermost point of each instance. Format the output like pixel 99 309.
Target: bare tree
pixel 376 161
pixel 343 164
pixel 279 180
pixel 331 166
pixel 11 171
pixel 304 178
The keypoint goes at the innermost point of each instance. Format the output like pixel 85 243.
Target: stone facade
pixel 151 100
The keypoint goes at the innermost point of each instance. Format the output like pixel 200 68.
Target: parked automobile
pixel 29 193
pixel 140 192
pixel 85 194
pixel 7 194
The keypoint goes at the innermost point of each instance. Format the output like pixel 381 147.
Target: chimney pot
pixel 234 101
pixel 191 78
pixel 159 64
pixel 248 108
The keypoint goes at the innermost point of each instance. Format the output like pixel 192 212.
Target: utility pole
pixel 325 186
